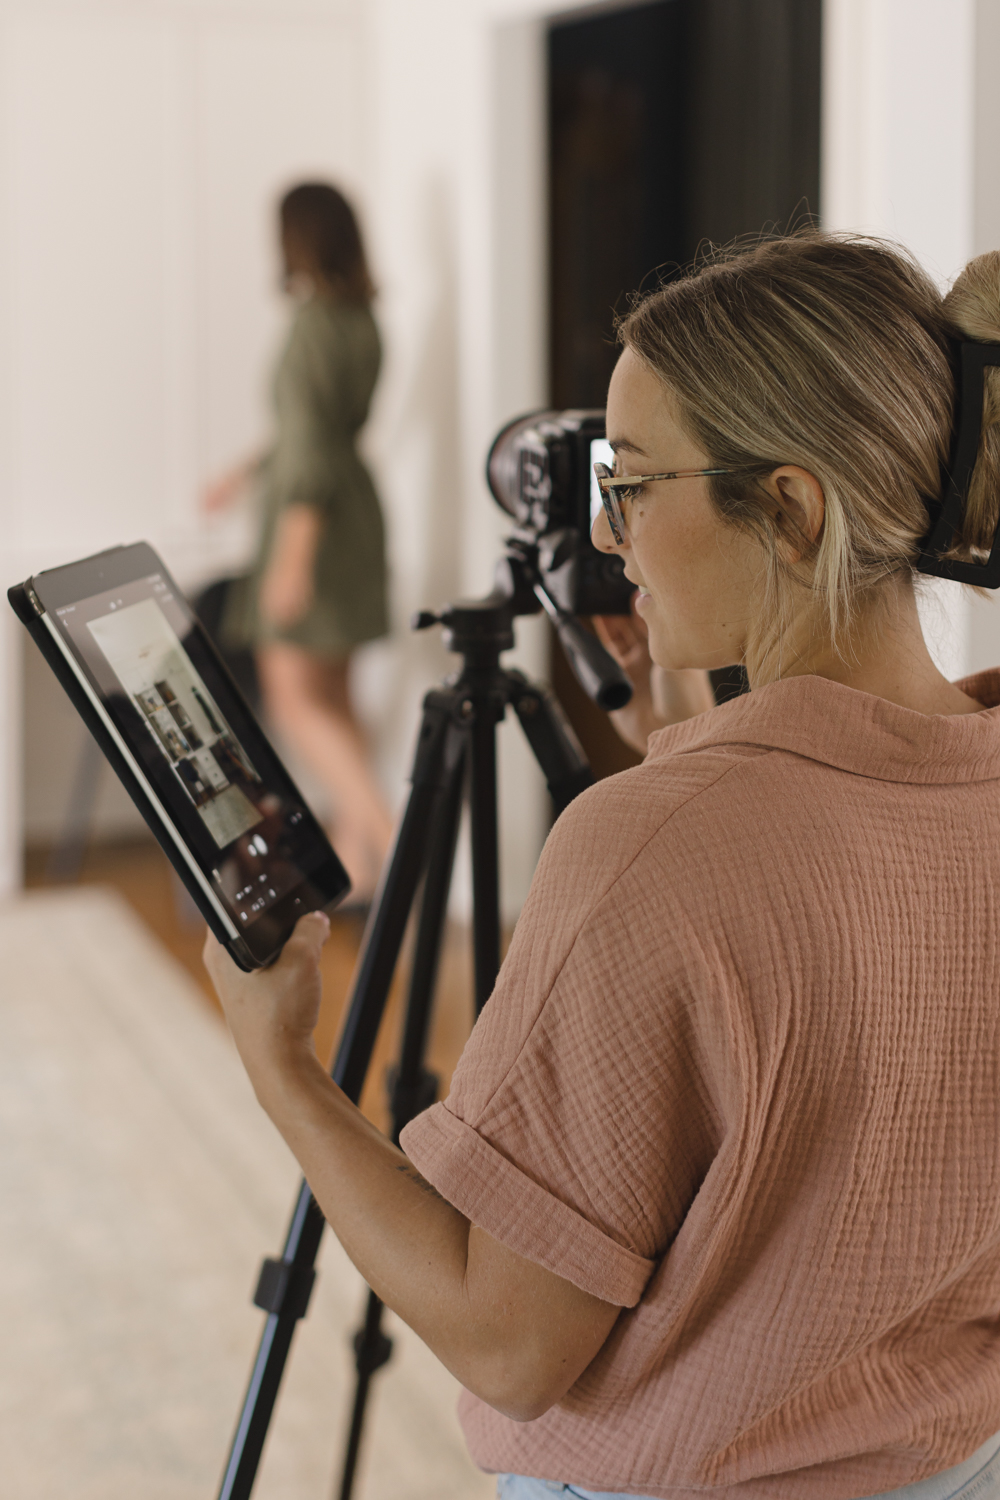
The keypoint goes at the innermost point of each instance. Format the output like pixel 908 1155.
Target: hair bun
pixel 973 304
pixel 972 307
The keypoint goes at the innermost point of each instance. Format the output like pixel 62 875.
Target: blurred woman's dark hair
pixel 320 238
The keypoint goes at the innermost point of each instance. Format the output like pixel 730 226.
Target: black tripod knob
pixel 370 1357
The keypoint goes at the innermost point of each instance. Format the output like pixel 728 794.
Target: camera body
pixel 540 471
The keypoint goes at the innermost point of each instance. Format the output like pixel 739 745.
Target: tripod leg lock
pixel 370 1357
pixel 284 1289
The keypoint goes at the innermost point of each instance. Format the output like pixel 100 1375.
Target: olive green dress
pixel 322 390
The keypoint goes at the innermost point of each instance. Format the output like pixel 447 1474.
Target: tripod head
pixel 480 629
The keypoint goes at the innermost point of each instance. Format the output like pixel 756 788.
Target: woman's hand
pixel 287 587
pixel 223 492
pixel 511 1331
pixel 659 697
pixel 626 638
pixel 273 1012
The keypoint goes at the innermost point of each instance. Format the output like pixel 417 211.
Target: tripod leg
pixel 485 850
pixel 567 773
pixel 285 1285
pixel 551 737
pixel 373 1349
pixel 413 1088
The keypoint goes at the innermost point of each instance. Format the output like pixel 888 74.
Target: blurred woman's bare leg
pixel 308 698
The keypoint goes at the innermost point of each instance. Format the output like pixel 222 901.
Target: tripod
pixel 455 760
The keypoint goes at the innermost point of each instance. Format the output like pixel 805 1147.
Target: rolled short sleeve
pixel 519 1212
pixel 579 1123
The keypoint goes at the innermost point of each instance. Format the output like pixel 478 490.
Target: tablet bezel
pixel 260 942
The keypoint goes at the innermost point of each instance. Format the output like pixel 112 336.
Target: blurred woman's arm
pixel 226 489
pixel 286 589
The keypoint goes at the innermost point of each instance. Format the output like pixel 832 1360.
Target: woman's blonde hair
pixel 835 353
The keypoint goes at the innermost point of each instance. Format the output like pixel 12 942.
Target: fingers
pixel 303 947
pixel 306 942
pixel 625 631
pixel 625 637
pixel 600 624
pixel 212 954
pixel 612 636
pixel 313 929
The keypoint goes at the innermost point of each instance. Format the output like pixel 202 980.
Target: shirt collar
pixel 853 731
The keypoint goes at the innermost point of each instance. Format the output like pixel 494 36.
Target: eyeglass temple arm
pixel 628 481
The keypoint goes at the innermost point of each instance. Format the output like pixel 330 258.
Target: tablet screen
pixel 199 747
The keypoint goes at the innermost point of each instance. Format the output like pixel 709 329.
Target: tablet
pixel 153 691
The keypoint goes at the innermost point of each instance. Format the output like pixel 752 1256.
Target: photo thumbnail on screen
pixel 184 720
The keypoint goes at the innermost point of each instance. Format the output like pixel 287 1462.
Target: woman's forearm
pixel 487 1314
pixel 408 1243
pixel 511 1331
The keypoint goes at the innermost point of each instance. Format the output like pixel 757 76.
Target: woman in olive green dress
pixel 318 587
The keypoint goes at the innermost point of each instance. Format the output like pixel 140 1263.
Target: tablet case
pixel 29 611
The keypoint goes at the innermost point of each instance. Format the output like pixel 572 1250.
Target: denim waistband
pixel 976 1478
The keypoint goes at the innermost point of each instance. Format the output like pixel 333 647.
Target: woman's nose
pixel 601 534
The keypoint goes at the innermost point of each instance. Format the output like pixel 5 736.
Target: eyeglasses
pixel 612 485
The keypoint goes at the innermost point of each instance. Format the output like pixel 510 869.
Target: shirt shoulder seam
pixel 571 949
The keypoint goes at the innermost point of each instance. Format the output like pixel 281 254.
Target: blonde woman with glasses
pixel 712 1205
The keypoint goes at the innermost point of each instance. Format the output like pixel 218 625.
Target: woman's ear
pixel 799 508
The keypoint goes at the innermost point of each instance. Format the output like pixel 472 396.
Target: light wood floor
pixel 141 873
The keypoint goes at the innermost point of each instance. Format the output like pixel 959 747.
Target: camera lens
pixel 504 465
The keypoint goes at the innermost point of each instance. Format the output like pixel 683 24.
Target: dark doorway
pixel 670 124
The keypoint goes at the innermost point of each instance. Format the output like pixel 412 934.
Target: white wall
pixel 141 151
pixel 898 124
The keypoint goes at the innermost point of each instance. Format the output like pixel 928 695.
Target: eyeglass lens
pixel 612 506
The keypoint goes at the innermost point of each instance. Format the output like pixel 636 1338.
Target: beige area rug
pixel 140 1185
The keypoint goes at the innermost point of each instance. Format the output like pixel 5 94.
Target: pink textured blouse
pixel 741 1075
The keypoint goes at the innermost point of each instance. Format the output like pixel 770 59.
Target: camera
pixel 540 470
